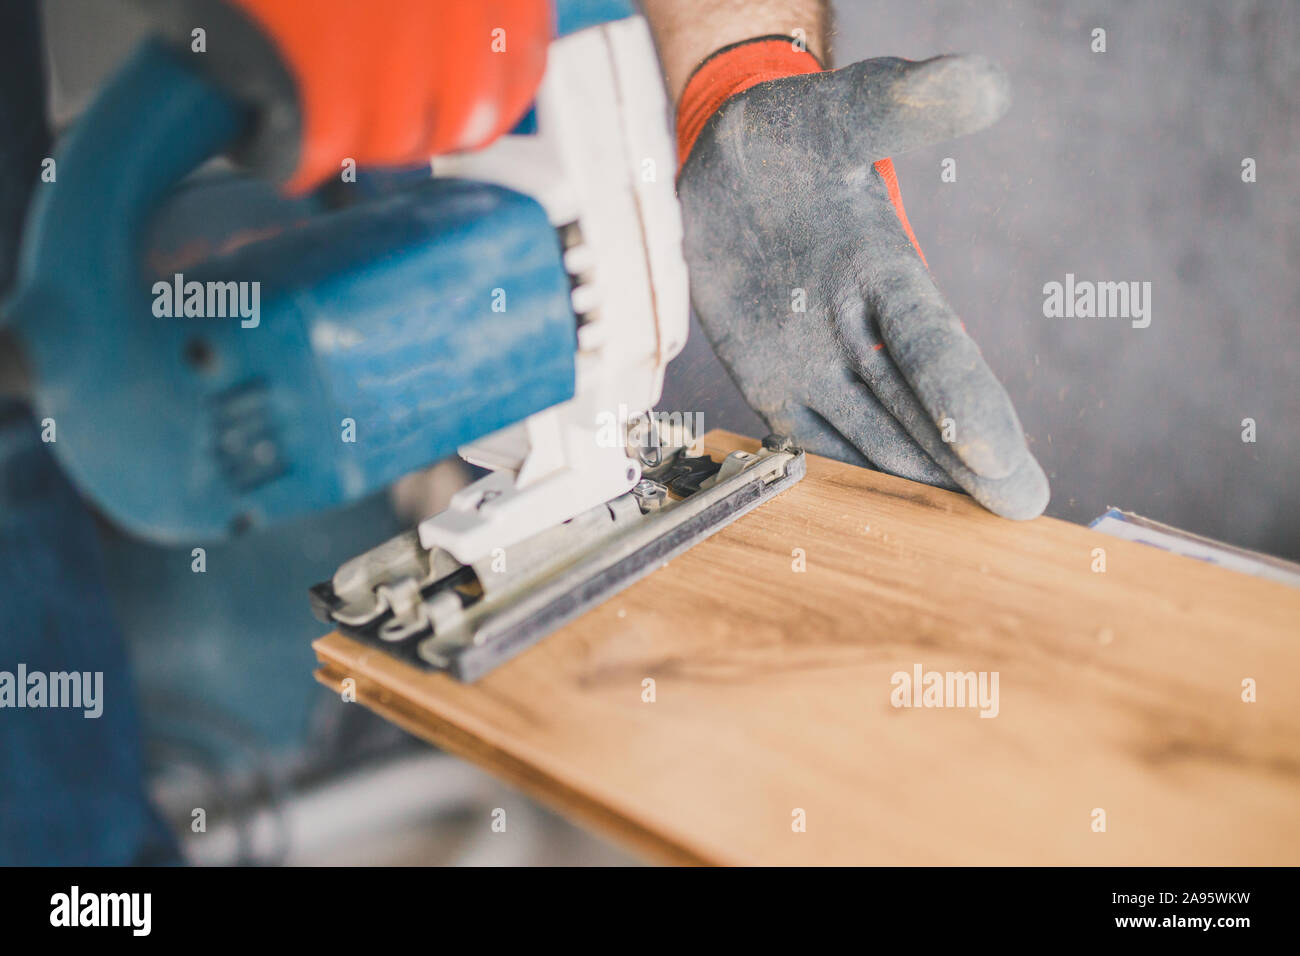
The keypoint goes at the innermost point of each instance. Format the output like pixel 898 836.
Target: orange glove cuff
pixel 734 69
pixel 731 70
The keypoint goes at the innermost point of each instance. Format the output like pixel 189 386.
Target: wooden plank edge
pixel 579 808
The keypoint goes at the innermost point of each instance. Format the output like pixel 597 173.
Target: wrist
pixel 730 70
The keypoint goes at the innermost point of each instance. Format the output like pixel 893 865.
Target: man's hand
pixel 806 276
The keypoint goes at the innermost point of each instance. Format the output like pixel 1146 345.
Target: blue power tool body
pixel 380 343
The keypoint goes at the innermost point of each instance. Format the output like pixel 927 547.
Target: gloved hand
pixel 381 82
pixel 807 279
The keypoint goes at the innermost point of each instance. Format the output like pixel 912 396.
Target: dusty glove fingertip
pixel 990 88
pixel 977 89
pixel 1020 497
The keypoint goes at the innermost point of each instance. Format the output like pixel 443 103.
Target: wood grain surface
pixel 1118 691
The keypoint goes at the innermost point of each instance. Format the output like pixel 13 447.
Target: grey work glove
pixel 784 209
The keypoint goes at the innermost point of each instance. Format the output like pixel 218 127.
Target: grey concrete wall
pixel 1123 165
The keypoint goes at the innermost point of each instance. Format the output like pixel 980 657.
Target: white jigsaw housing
pixel 602 166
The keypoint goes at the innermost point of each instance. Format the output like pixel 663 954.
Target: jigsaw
pixel 518 306
pixel 571 510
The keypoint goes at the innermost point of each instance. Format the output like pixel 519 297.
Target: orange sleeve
pixel 388 82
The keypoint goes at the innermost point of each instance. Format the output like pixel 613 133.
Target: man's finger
pixel 886 106
pixel 858 415
pixel 894 295
pixel 1021 495
pixel 854 431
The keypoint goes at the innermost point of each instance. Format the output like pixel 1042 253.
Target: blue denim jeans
pixel 71 786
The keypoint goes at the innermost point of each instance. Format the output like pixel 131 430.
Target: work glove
pixel 808 281
pixel 379 82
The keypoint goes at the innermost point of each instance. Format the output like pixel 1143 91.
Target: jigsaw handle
pixel 385 335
